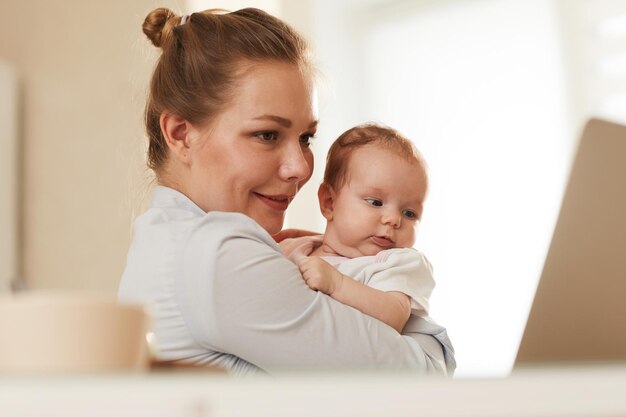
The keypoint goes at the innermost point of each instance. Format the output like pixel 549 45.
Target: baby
pixel 372 197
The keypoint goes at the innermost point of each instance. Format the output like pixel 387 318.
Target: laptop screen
pixel 579 309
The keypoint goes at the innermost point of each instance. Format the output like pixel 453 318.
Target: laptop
pixel 579 310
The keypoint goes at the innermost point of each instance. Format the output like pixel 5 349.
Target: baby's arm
pixel 391 307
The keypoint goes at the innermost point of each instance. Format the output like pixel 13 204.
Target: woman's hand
pixel 320 275
pixel 292 233
pixel 298 248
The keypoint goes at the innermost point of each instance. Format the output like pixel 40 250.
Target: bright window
pixel 479 87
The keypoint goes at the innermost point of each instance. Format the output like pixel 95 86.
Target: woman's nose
pixel 295 166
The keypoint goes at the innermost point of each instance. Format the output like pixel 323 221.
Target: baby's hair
pixel 203 57
pixel 369 134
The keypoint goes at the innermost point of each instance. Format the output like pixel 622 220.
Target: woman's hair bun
pixel 155 25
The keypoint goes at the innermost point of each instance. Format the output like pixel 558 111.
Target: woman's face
pixel 254 156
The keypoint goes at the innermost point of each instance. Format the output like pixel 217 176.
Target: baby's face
pixel 380 204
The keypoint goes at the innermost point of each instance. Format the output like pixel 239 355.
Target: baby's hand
pixel 300 247
pixel 320 275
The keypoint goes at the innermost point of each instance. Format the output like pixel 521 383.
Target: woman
pixel 230 116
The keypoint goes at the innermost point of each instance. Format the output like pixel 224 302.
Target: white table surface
pixel 589 391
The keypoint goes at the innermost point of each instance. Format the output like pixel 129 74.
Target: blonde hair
pixel 340 152
pixel 202 60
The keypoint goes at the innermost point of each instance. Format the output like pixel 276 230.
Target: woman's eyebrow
pixel 282 121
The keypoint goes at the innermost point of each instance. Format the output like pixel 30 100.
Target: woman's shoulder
pixel 219 228
pixel 174 210
pixel 233 226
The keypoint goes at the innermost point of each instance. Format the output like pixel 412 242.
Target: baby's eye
pixel 409 214
pixel 305 139
pixel 267 136
pixel 374 202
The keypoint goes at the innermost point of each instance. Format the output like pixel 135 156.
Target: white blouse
pixel 221 292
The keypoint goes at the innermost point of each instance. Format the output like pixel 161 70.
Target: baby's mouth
pixel 383 241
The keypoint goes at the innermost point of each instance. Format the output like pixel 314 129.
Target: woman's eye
pixel 374 202
pixel 305 139
pixel 267 136
pixel 409 214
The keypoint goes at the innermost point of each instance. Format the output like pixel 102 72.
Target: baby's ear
pixel 326 196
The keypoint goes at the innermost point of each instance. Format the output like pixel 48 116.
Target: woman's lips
pixel 276 202
pixel 382 241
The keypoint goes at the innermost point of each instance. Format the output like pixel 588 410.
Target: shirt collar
pixel 165 197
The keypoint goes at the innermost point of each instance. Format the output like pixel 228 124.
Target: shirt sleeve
pixel 244 297
pixel 404 270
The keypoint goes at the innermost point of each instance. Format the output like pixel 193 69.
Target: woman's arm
pixel 247 299
pixel 392 308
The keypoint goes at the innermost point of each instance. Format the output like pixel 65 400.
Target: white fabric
pixel 403 269
pixel 221 292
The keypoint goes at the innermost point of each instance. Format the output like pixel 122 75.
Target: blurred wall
pixel 83 68
pixel 8 175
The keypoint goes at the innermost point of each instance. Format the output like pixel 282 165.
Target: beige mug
pixel 57 331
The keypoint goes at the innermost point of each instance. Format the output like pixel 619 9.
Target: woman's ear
pixel 176 132
pixel 326 196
